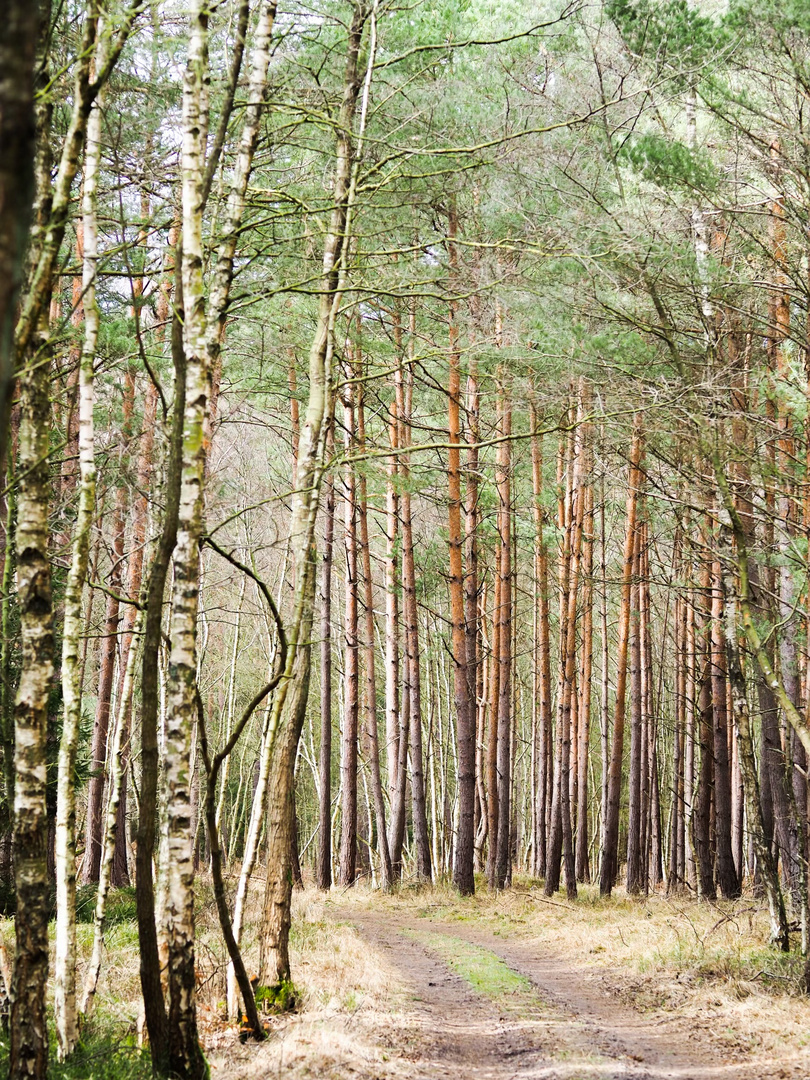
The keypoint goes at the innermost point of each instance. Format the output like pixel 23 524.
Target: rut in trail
pixel 563 1026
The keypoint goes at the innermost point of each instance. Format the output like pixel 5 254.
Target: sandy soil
pixel 569 1024
pixel 574 1027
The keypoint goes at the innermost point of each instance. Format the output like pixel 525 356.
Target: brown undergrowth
pixel 709 963
pixel 706 966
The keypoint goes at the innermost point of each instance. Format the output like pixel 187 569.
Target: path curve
pixel 577 1029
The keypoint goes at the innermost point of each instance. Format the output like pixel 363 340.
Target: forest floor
pixel 423 984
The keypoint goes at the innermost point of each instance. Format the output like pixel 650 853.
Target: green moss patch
pixel 481 968
pixel 278 998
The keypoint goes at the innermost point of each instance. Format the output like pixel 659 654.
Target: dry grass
pixel 709 964
pixel 350 1003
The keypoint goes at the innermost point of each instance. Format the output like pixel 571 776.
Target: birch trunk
pixel 289 704
pixel 117 765
pixel 65 984
pixel 202 337
pixel 29 1038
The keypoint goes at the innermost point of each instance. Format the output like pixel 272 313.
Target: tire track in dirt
pixel 457 1033
pixel 570 1028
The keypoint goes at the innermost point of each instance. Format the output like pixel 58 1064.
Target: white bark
pixel 65 986
pixel 201 340
pixel 250 853
pixel 108 841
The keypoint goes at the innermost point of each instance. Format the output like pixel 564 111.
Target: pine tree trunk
pixel 392 582
pixel 503 861
pixel 584 708
pixel 370 696
pixel 493 697
pixel 565 481
pixel 726 872
pixel 701 820
pixel 609 864
pixel 351 669
pixel 413 743
pixel 403 390
pixel 634 783
pixel 323 872
pixel 463 870
pixel 541 689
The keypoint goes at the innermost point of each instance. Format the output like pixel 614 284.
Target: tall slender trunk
pixel 202 339
pixel 493 697
pixel 392 581
pixel 727 877
pixel 324 861
pixel 370 696
pixel 108 845
pixel 604 698
pixel 28 1049
pixel 701 819
pixel 403 390
pixel 411 618
pixel 65 1010
pixel 541 689
pixel 609 867
pixel 185 1055
pixel 634 785
pixel 135 563
pixel 565 481
pixel 503 861
pixel 676 869
pixel 586 669
pixel 150 964
pixel 690 706
pixel 463 871
pixel 572 515
pixel 109 650
pixel 289 705
pixel 351 669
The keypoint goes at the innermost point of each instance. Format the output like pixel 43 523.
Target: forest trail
pixel 562 1024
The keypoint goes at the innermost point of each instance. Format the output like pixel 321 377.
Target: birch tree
pixel 65 987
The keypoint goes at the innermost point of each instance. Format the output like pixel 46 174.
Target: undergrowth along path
pixel 490 1008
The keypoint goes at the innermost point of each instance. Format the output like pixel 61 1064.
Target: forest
pixel 404 516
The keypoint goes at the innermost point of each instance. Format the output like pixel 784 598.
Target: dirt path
pixel 566 1027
